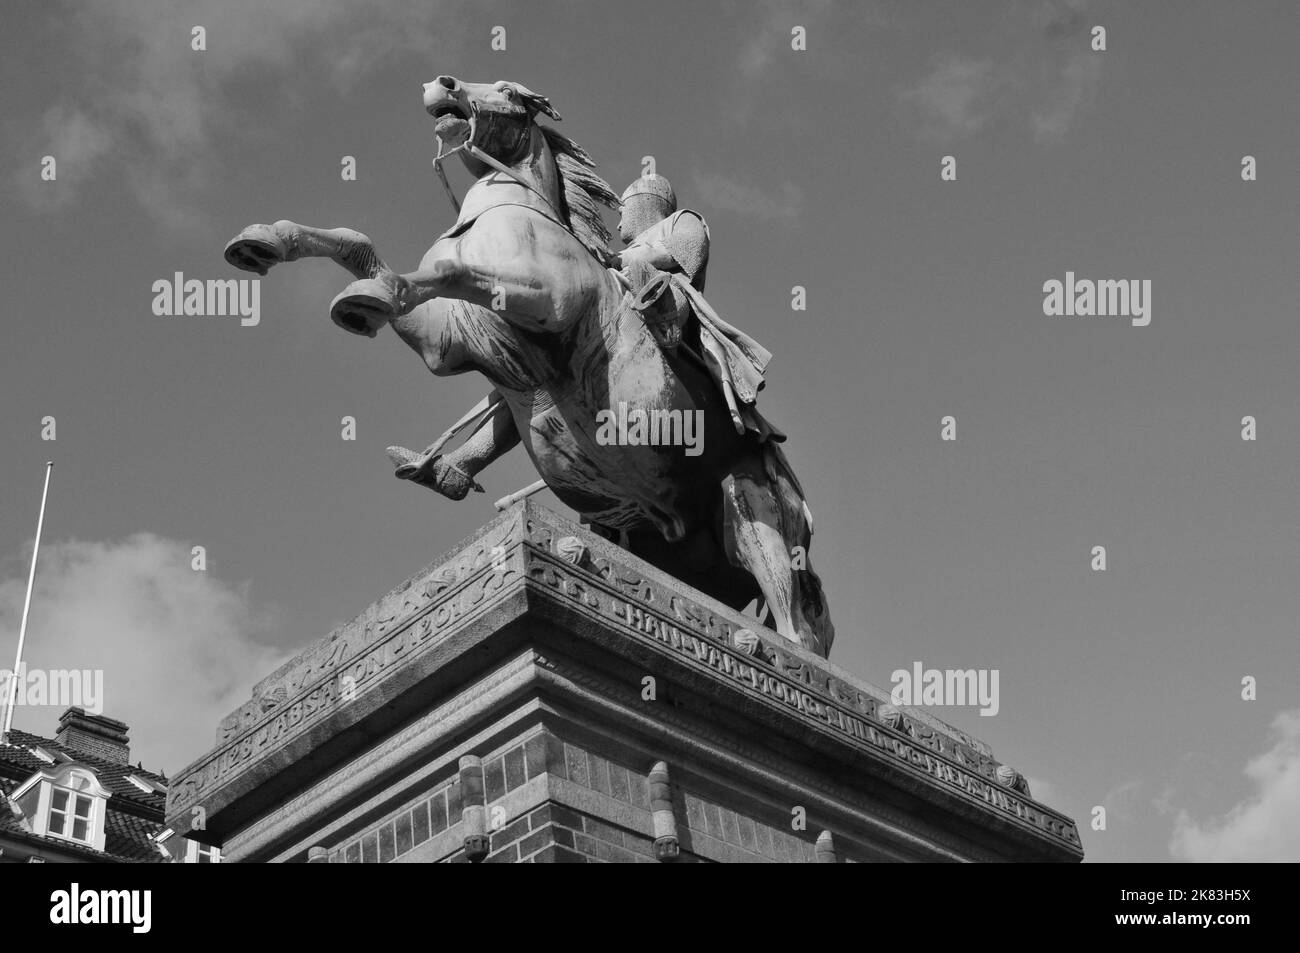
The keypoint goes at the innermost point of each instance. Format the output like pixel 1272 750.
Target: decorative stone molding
pixel 608 604
pixel 667 846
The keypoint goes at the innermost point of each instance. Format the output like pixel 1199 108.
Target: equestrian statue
pixel 572 335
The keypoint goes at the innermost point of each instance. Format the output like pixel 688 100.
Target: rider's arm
pixel 654 254
pixel 688 243
pixel 685 249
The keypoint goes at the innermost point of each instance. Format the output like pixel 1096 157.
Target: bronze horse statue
pixel 522 291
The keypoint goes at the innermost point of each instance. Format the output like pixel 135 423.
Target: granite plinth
pixel 566 670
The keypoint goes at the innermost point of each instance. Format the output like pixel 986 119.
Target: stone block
pixel 533 663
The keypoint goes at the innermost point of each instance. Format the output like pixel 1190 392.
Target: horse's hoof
pixel 364 307
pixel 405 462
pixel 408 465
pixel 256 249
pixel 433 472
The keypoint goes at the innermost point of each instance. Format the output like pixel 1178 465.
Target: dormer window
pixel 72 816
pixel 67 802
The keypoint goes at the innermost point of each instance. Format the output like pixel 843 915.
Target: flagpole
pixel 27 604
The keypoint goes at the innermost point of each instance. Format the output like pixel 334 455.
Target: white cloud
pixel 764 57
pixel 956 98
pixel 771 33
pixel 1266 825
pixel 1072 91
pixel 77 142
pixel 179 649
pixel 159 107
pixel 1045 792
pixel 1037 71
pixel 732 195
pixel 1121 801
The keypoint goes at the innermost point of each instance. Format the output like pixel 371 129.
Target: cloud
pixel 1068 24
pixel 160 108
pixel 1164 801
pixel 1038 72
pixel 1045 792
pixel 1121 801
pixel 1065 97
pixel 771 35
pixel 1264 827
pixel 956 98
pixel 76 141
pixel 179 649
pixel 731 195
pixel 764 58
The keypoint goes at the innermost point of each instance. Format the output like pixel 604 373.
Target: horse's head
pixel 502 115
pixel 499 120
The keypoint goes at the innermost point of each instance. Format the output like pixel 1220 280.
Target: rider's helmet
pixel 655 185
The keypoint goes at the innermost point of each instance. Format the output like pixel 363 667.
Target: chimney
pixel 94 735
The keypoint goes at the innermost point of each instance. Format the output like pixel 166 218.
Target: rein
pixel 477 153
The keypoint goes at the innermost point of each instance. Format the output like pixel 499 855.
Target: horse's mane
pixel 584 192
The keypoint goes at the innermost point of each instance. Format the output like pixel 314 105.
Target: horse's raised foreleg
pixel 258 247
pixel 531 273
pixel 373 301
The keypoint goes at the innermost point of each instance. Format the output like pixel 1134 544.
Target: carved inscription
pixel 361 671
pixel 410 620
pixel 804 689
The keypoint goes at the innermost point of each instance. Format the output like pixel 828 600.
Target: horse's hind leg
pixel 258 247
pixel 765 533
pixel 751 532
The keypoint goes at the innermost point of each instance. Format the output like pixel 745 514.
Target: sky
pixel 819 168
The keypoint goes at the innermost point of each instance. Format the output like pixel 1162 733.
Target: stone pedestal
pixel 541 695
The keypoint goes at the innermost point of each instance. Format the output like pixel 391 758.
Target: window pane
pixel 202 854
pixel 83 807
pixel 58 820
pixel 79 829
pixel 60 802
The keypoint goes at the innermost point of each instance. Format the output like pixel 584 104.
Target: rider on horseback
pixel 660 235
pixel 663 267
pixel 521 291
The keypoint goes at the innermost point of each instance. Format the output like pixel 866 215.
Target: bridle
pixel 473 150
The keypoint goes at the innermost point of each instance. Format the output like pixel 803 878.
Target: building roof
pixel 132 817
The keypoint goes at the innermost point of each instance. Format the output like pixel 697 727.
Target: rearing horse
pixel 520 291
